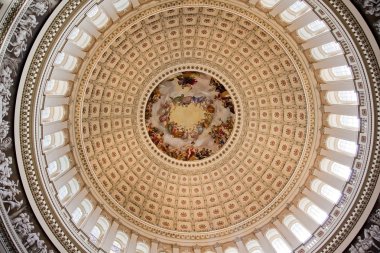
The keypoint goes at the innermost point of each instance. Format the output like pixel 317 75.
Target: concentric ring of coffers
pixel 274 120
pixel 310 209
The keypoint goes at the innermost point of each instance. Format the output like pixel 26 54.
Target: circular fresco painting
pixel 190 116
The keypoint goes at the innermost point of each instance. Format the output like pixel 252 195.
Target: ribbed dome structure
pixel 193 126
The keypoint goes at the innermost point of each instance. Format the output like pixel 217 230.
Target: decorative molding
pixel 25 227
pixel 15 204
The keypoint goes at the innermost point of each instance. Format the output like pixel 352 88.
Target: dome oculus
pixel 190 116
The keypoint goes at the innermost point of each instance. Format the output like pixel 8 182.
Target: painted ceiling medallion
pixel 190 116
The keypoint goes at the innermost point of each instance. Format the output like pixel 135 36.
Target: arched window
pixel 336 73
pixel 344 121
pixel 142 247
pixel 57 167
pixel 296 228
pixel 98 17
pixel 327 50
pixel 121 5
pixel 82 211
pixel 348 97
pixel 342 97
pixel 47 141
pixel 80 38
pixel 341 71
pixel 326 190
pixel 120 242
pixel 116 247
pixel 253 246
pixel 77 215
pixel 295 11
pixel 63 192
pixel 99 230
pixel 52 168
pixel 347 147
pixel 54 140
pixel 335 169
pixel 313 29
pixel 66 62
pixel 68 190
pixel 231 250
pixel 95 234
pixel 312 210
pixel 57 87
pixel 278 243
pixel 269 3
pixel 53 114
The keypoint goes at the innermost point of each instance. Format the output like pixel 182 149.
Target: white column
pixel 56 153
pixel 283 5
pixel 302 21
pixel 132 244
pixel 349 110
pixel 175 249
pixel 63 179
pixel 320 201
pixel 218 248
pixel 305 219
pixel 87 26
pixel 329 179
pixel 318 40
pixel 341 133
pixel 264 243
pixel 287 234
pixel 342 85
pixel 335 61
pixel 110 237
pixel 50 128
pixel 337 157
pixel 240 245
pixel 90 223
pixel 76 200
pixel 53 100
pixel 110 10
pixel 63 75
pixel 73 50
pixel 153 247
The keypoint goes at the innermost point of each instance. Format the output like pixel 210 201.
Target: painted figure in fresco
pixel 372 7
pixel 190 152
pixel 178 99
pixel 31 240
pixel 22 33
pixel 154 97
pixel 187 79
pixel 221 132
pixel 223 95
pixel 13 204
pixel 9 188
pixel 5 82
pixel 364 245
pixel 374 232
pixel 39 7
pixel 371 241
